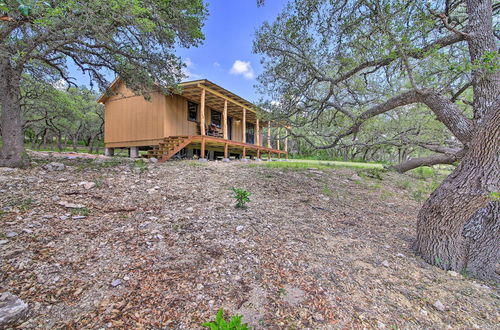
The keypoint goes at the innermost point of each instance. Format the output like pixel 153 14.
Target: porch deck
pixel 173 144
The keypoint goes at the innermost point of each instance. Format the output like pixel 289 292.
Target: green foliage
pixel 140 165
pixel 132 38
pixel 331 74
pixel 221 324
pixel 65 114
pixel 241 196
pixel 495 196
pixel 374 173
pixel 84 211
pixel 326 191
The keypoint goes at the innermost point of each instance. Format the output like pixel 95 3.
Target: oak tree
pixel 355 60
pixel 134 39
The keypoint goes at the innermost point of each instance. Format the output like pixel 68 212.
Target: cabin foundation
pixel 134 152
pixel 109 152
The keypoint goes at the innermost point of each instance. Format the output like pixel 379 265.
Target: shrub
pixel 374 173
pixel 221 324
pixel 241 196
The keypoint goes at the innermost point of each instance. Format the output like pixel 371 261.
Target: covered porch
pixel 247 138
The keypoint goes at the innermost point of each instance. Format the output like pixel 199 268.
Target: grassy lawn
pixel 319 164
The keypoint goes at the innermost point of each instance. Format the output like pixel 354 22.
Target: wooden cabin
pixel 204 120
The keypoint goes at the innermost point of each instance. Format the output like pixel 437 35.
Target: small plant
pixel 99 182
pixel 327 191
pixel 25 204
pixel 281 291
pixel 221 324
pixel 84 211
pixel 140 166
pixel 374 173
pixel 495 196
pixel 241 196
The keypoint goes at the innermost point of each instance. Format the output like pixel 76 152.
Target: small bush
pixel 241 196
pixel 374 173
pixel 221 324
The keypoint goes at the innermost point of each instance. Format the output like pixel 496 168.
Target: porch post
pixel 224 121
pixel 244 126
pixel 257 132
pixel 278 140
pixel 244 152
pixel 202 117
pixel 202 148
pixel 258 153
pixel 269 134
pixel 226 154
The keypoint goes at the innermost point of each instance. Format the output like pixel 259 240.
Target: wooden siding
pixel 132 118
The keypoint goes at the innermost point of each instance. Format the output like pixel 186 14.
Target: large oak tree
pixel 354 60
pixel 134 39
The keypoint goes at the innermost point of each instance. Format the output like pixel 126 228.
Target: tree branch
pixel 435 159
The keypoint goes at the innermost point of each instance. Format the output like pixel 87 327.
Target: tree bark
pixel 458 227
pixel 12 152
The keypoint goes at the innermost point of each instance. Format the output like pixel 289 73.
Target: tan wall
pixel 132 118
pixel 176 122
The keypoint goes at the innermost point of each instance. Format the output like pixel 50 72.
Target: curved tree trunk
pixel 12 152
pixel 459 225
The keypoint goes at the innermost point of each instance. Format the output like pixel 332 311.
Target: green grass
pixel 318 164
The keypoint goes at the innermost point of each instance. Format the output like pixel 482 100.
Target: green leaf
pixel 24 9
pixel 218 317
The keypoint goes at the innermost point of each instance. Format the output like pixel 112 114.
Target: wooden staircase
pixel 169 147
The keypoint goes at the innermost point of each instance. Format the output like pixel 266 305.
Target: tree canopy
pixel 134 39
pixel 346 62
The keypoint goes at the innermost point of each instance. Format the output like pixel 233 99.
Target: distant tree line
pixel 60 117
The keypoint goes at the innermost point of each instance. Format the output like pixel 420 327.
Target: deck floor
pixel 217 144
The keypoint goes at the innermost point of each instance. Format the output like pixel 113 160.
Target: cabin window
pixel 192 111
pixel 216 118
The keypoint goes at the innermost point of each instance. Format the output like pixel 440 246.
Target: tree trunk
pixel 59 142
pixel 75 143
pixel 458 227
pixel 12 153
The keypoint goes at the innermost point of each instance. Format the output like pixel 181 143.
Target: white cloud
pixel 242 68
pixel 60 84
pixel 187 69
pixel 216 64
pixel 188 62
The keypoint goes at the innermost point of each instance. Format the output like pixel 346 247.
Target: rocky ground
pixel 106 243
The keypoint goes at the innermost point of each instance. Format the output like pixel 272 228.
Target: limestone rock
pixel 439 306
pixel 71 205
pixel 54 166
pixel 12 309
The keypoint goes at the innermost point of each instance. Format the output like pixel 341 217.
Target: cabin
pixel 203 120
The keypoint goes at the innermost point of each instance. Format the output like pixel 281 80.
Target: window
pixel 216 118
pixel 192 111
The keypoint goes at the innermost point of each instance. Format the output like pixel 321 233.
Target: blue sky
pixel 226 57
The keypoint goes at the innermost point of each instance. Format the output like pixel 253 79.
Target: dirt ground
pixel 118 244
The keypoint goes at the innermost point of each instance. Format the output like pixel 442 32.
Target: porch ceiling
pixel 192 91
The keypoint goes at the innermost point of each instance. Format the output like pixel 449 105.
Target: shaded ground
pixel 314 249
